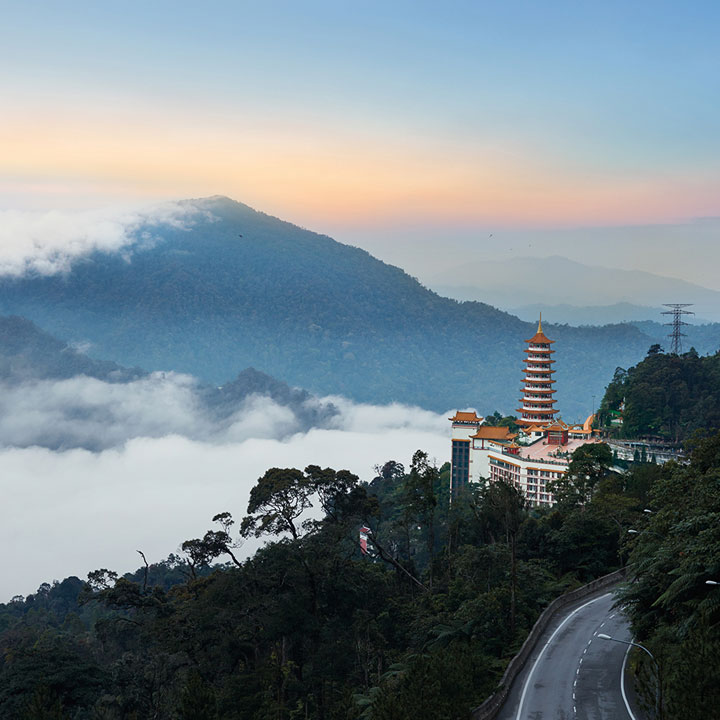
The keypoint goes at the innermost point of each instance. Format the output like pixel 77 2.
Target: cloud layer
pixel 165 468
pixel 46 242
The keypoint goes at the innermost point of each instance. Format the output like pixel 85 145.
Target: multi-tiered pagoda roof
pixel 537 402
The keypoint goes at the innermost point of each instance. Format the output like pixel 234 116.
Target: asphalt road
pixel 572 674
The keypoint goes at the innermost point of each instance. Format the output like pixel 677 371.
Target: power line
pixel 677 311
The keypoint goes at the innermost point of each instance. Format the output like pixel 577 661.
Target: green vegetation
pixel 666 396
pixel 421 626
pixel 244 289
pixel 674 612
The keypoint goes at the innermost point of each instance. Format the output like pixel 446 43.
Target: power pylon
pixel 677 334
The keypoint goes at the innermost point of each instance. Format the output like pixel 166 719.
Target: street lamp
pixel 647 510
pixel 631 532
pixel 658 689
pixel 712 582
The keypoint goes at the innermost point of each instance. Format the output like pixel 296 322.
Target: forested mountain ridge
pixel 28 353
pixel 54 396
pixel 237 288
pixel 665 395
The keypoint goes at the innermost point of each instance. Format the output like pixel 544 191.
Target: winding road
pixel 572 674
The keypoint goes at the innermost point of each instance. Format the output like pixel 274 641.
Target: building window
pixel 460 472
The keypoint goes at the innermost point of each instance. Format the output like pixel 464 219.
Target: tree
pixel 421 499
pixel 503 508
pixel 590 463
pixel 278 499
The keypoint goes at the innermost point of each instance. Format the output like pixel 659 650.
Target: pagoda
pixel 537 403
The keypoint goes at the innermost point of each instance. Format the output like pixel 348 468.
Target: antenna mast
pixel 677 311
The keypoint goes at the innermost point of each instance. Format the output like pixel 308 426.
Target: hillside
pixel 670 396
pixel 705 338
pixel 28 353
pixel 53 396
pixel 239 288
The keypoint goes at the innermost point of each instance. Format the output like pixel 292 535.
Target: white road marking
pixel 545 646
pixel 622 684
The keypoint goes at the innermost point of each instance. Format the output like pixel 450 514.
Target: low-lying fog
pixel 164 467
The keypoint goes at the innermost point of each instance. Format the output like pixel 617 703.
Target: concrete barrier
pixel 490 708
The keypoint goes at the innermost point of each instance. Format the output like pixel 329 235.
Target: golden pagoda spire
pixel 540 324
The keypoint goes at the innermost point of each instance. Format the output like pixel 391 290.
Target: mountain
pixel 588 314
pixel 704 338
pixel 234 288
pixel 28 353
pixel 53 396
pixel 559 281
pixel 224 401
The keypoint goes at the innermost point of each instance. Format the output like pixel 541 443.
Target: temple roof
pixel 534 426
pixel 539 338
pixel 466 417
pixel 557 426
pixel 491 432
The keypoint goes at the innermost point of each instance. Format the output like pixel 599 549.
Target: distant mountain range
pixel 237 288
pixel 596 314
pixel 581 294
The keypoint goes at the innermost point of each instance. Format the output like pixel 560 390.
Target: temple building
pixel 530 458
pixel 537 403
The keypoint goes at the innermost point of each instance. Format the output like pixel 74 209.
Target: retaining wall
pixel 489 709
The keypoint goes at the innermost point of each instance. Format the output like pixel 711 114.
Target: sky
pixel 372 120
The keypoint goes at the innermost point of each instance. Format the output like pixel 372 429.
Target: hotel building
pixel 529 459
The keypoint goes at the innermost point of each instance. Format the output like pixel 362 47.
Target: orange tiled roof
pixel 539 338
pixel 534 426
pixel 490 432
pixel 467 417
pixel 537 424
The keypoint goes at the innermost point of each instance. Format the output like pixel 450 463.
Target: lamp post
pixel 712 582
pixel 658 689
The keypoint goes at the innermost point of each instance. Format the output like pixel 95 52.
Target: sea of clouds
pixel 92 471
pixel 160 467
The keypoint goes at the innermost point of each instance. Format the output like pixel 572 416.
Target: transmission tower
pixel 677 311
